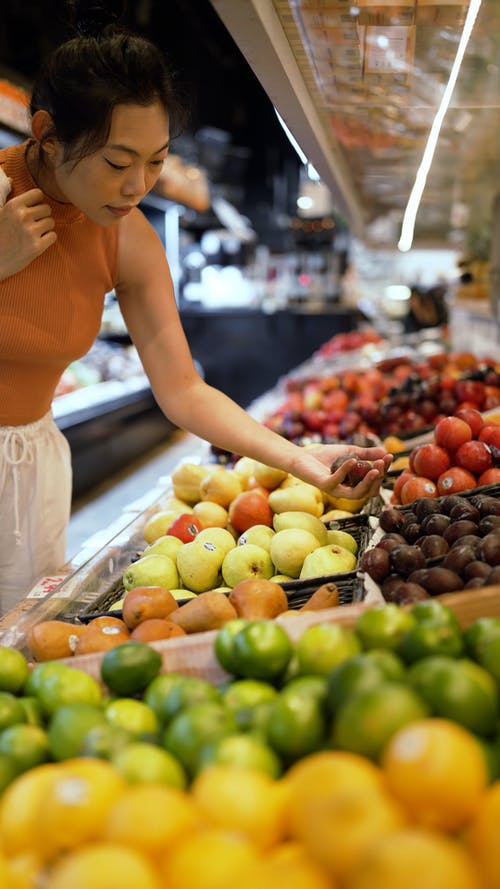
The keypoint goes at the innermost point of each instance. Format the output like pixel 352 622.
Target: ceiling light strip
pixel 408 226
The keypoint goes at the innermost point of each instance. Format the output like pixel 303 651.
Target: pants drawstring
pixel 16 449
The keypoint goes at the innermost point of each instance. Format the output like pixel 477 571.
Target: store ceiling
pixel 359 84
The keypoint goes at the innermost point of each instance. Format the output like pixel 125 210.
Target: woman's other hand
pixel 313 465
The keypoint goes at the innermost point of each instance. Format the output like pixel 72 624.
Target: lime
pixel 323 646
pixel 313 686
pixel 241 751
pixel 68 686
pixel 27 745
pixel 104 740
pixel 194 727
pixel 459 690
pixel 130 667
pixel 142 762
pixel 478 633
pixel 489 655
pixel 433 609
pixel 11 710
pixel 192 690
pixel 491 751
pixel 133 716
pixel 390 662
pixel 367 721
pixel 39 674
pixel 296 725
pixel 156 693
pixel 243 696
pixel 32 710
pixel 14 670
pixel 68 728
pixel 224 643
pixel 358 673
pixel 428 638
pixel 382 626
pixel 8 771
pixel 262 650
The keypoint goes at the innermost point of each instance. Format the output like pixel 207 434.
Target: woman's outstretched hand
pixel 314 465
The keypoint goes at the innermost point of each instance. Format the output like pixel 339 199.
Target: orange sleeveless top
pixel 50 312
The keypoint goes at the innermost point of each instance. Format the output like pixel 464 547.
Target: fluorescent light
pixel 408 226
pixel 291 138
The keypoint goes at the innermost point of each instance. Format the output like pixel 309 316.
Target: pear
pixel 199 564
pixel 221 537
pixel 183 594
pixel 210 514
pixel 186 480
pixel 221 486
pixel 333 514
pixel 179 506
pixel 248 560
pixel 166 545
pixel 329 559
pixel 261 535
pixel 297 498
pixel 290 547
pixel 157 525
pixel 342 538
pixel 152 570
pixel 297 519
pixel 281 578
pixel 244 467
pixel 268 476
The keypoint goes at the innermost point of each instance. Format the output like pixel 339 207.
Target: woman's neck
pixel 41 173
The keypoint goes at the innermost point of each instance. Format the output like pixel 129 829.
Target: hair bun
pixel 91 17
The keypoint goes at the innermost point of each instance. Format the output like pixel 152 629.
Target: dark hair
pixel 82 81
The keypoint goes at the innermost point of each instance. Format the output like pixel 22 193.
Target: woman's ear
pixel 42 127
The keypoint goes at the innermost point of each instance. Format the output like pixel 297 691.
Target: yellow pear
pixel 248 560
pixel 152 570
pixel 289 549
pixel 210 514
pixel 199 564
pixel 186 480
pixel 157 525
pixel 179 506
pixel 221 537
pixel 297 498
pixel 297 519
pixel 329 559
pixel 221 486
pixel 166 545
pixel 268 476
pixel 259 534
pixel 342 538
pixel 244 467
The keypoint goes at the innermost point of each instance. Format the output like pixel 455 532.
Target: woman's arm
pixel 146 298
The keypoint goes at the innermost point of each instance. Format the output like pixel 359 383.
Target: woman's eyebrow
pixel 129 150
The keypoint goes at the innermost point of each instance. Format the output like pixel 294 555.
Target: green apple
pixel 261 535
pixel 166 545
pixel 342 538
pixel 330 559
pixel 152 570
pixel 290 547
pixel 221 537
pixel 199 563
pixel 247 560
pixel 298 519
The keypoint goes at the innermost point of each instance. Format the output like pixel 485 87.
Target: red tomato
pixel 185 526
pixel 417 487
pixel 472 417
pixel 452 432
pixel 430 461
pixel 474 456
pixel 490 434
pixel 490 477
pixel 455 480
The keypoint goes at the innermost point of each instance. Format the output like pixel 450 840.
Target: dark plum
pixel 412 532
pixel 391 519
pixel 465 510
pixel 490 548
pixel 433 545
pixel 451 500
pixel 476 569
pixel 494 576
pixel 389 541
pixel 442 580
pixel 405 559
pixel 389 585
pixel 471 540
pixel 474 583
pixel 419 576
pixel 424 506
pixel 376 562
pixel 459 529
pixel 436 523
pixel 407 592
pixel 488 523
pixel 458 558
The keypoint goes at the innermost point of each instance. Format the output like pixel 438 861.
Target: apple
pixel 185 526
pixel 290 547
pixel 249 508
pixel 329 559
pixel 245 561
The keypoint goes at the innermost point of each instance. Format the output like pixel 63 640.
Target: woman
pixel 102 110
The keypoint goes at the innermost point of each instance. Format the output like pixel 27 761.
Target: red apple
pixel 249 508
pixel 185 526
pixel 490 434
pixel 452 432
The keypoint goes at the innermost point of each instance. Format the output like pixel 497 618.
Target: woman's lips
pixel 119 211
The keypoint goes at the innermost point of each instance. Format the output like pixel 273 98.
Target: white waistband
pixel 16 448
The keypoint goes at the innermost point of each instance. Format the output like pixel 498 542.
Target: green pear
pixel 298 519
pixel 221 537
pixel 152 570
pixel 281 578
pixel 247 560
pixel 199 564
pixel 342 538
pixel 261 535
pixel 290 547
pixel 330 559
pixel 117 606
pixel 167 545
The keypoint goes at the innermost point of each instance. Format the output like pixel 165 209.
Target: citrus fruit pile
pixel 349 758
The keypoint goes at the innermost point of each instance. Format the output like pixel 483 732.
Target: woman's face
pixel 108 184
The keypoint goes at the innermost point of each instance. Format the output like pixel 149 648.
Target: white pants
pixel 35 504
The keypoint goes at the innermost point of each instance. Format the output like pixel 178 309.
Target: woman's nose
pixel 135 183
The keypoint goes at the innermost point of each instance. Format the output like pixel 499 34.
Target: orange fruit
pixel 483 836
pixel 144 602
pixel 103 866
pixel 53 639
pixel 288 864
pixel 246 801
pixel 398 860
pixel 150 818
pixel 101 634
pixel 209 858
pixel 437 770
pixel 156 628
